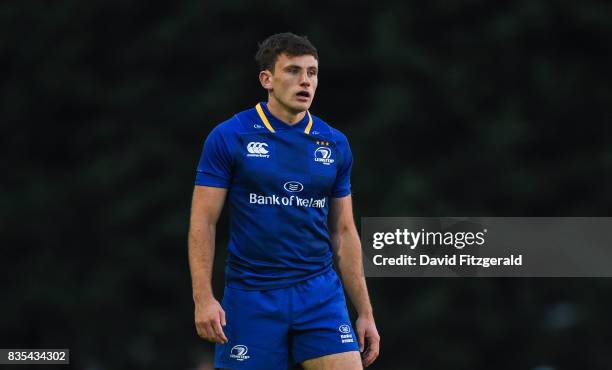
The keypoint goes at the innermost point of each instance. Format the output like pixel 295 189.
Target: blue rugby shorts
pixel 278 328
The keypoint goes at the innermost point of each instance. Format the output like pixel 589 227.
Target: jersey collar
pixel 273 123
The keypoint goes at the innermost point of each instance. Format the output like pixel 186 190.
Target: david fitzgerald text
pixel 454 260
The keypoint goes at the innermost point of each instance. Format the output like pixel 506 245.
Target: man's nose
pixel 304 79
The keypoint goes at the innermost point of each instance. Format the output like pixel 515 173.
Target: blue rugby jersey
pixel 280 179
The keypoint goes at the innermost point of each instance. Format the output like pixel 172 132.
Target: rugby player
pixel 285 175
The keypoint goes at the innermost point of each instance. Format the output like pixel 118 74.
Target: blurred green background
pixel 452 108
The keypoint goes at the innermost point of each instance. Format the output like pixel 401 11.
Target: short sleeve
pixel 215 166
pixel 342 185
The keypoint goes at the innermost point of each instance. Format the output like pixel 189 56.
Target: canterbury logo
pixel 257 149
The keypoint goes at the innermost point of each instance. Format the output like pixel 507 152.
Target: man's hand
pixel 209 320
pixel 366 332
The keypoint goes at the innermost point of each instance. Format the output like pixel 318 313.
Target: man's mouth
pixel 304 94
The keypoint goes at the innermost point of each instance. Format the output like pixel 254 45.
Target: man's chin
pixel 301 107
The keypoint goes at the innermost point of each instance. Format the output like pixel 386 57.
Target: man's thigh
pixel 257 331
pixel 337 361
pixel 321 325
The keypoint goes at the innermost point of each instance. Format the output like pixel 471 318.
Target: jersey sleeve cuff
pixel 207 179
pixel 341 193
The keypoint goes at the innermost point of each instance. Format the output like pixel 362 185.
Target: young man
pixel 286 175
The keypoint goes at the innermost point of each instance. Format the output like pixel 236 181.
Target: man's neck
pixel 283 114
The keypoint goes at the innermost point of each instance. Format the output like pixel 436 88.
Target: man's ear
pixel 265 78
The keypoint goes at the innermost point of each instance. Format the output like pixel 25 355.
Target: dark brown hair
pixel 287 43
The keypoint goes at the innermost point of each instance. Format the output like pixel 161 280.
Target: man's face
pixel 294 81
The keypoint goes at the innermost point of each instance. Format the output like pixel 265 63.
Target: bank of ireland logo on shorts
pixel 345 336
pixel 239 352
pixel 323 155
pixel 257 149
pixel 293 186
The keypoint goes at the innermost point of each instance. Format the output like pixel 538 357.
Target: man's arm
pixel 206 207
pixel 347 252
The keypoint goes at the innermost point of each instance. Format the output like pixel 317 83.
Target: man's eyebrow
pixel 299 67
